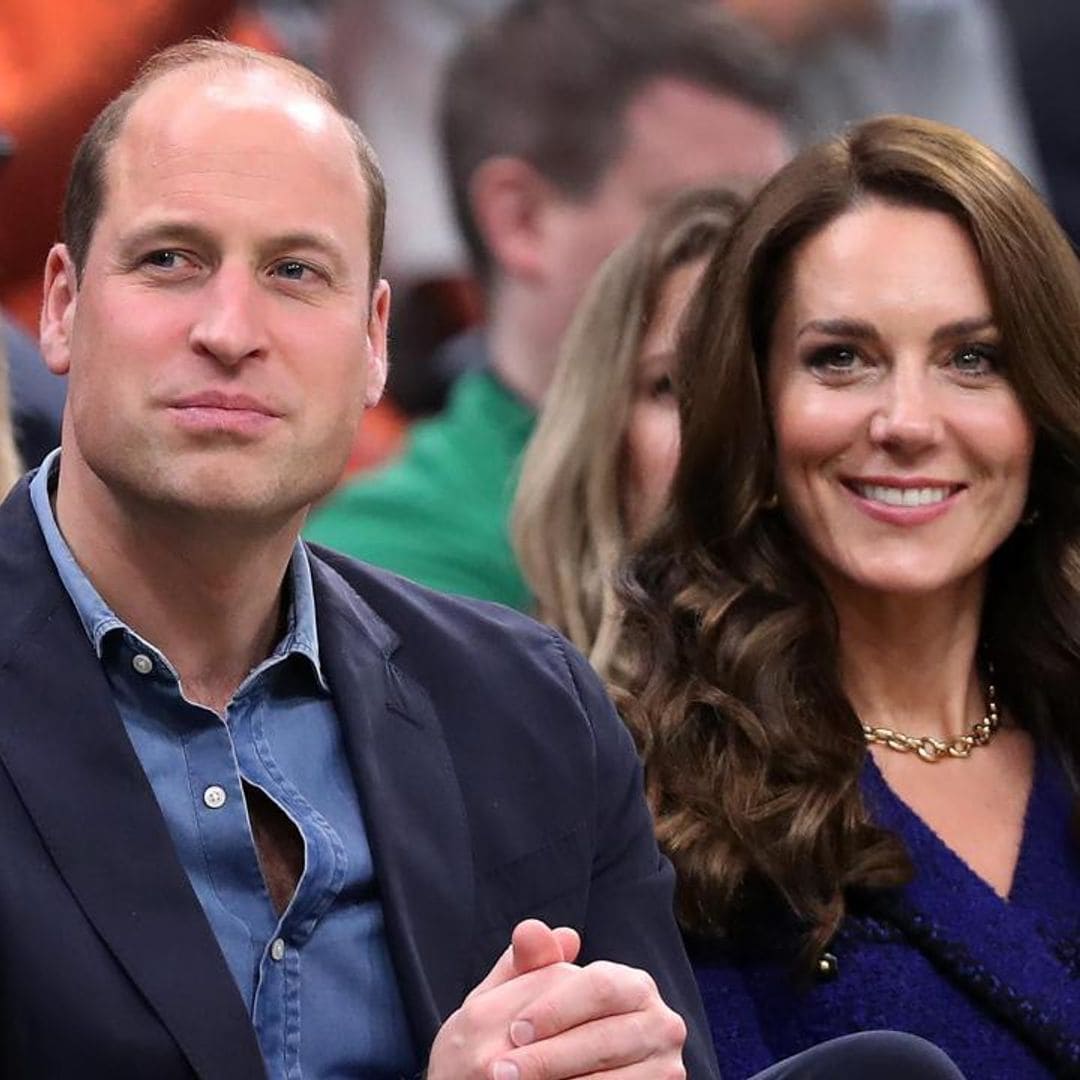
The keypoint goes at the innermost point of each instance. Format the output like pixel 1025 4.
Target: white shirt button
pixel 277 949
pixel 142 663
pixel 214 797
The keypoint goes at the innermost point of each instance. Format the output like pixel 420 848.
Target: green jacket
pixel 439 514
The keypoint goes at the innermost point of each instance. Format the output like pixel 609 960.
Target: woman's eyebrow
pixel 963 327
pixel 860 330
pixel 851 328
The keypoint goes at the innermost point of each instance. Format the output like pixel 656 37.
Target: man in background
pixel 564 123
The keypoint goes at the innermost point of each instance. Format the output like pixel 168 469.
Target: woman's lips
pixel 909 502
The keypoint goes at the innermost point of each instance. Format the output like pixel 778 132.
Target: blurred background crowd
pixel 1000 69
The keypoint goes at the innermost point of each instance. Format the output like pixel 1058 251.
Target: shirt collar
pixel 301 635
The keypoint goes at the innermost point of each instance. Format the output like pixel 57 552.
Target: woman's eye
pixel 976 360
pixel 834 359
pixel 661 387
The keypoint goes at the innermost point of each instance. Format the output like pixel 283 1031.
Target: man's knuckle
pixel 668 1067
pixel 607 983
pixel 467 1026
pixel 532 1063
pixel 674 1029
pixel 640 1031
pixel 549 1016
pixel 607 1049
pixel 648 984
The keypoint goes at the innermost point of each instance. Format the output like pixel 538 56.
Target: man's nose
pixel 230 327
pixel 908 418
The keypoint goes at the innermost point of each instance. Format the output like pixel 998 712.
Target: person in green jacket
pixel 565 122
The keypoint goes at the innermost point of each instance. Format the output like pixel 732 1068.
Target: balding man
pixel 266 811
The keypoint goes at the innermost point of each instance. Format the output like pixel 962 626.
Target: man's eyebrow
pixel 164 232
pixel 323 243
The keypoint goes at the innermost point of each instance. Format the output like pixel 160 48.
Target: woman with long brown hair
pixel 851 651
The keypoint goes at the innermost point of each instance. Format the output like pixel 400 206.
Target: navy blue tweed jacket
pixel 995 983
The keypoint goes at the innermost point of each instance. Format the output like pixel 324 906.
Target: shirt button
pixel 277 949
pixel 142 663
pixel 214 797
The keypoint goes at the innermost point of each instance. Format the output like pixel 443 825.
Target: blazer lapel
pixel 66 750
pixel 413 808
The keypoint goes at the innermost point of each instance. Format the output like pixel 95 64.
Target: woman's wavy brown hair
pixel 730 680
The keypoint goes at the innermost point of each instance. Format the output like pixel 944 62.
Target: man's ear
pixel 378 323
pixel 58 309
pixel 508 198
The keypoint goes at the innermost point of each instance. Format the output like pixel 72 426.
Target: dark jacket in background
pixel 37 397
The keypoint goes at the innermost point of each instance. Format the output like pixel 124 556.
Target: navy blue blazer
pixel 496 782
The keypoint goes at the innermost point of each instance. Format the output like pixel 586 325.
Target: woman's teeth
pixel 894 496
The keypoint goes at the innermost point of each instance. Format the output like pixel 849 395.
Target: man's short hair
pixel 87 187
pixel 549 81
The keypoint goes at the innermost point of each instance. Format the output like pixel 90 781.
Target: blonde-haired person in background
pixel 598 467
pixel 10 466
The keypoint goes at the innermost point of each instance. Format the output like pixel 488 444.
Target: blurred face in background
pixel 677 136
pixel 651 442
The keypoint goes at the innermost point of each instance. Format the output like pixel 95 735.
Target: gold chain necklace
pixel 930 749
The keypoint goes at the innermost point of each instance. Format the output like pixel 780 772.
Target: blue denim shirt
pixel 318 982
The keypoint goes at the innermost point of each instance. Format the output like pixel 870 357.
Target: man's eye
pixel 164 260
pixel 292 270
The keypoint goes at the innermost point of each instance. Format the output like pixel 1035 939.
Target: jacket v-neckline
pixel 892 811
pixel 998 948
